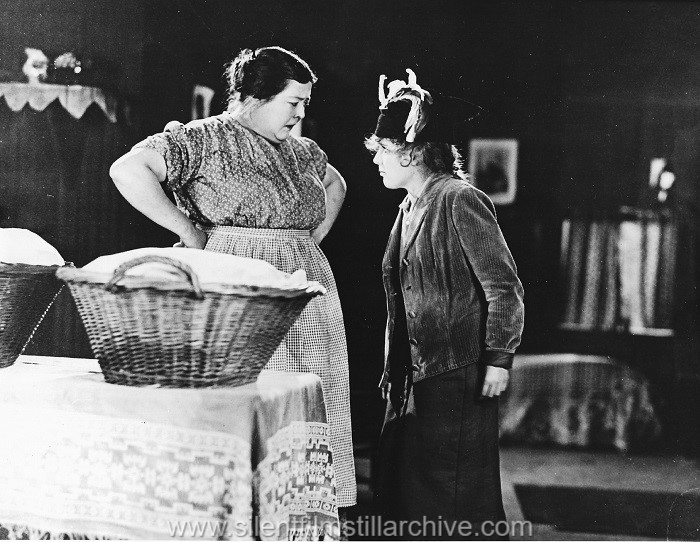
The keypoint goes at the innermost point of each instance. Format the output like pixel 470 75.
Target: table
pixel 578 400
pixel 80 456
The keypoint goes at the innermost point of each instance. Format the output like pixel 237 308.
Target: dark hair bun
pixel 264 73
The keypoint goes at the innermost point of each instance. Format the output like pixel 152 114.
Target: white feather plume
pixel 409 91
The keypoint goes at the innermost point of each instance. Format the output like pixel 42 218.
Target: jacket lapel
pixel 417 221
pixel 391 254
pixel 432 187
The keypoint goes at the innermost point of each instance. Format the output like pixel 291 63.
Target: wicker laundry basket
pixel 173 333
pixel 26 294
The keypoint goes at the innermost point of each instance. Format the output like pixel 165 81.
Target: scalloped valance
pixel 74 98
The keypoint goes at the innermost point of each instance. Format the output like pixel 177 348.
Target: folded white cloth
pixel 18 245
pixel 210 267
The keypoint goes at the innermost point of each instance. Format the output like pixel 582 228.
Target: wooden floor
pixel 563 467
pixel 605 470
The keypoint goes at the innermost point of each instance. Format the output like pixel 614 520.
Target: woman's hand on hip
pixel 495 381
pixel 195 238
pixel 385 390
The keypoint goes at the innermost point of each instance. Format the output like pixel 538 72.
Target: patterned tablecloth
pixel 83 457
pixel 578 400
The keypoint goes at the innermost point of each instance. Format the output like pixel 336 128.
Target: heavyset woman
pixel 455 316
pixel 244 185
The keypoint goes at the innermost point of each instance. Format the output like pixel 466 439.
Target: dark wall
pixel 591 91
pixel 503 55
pixel 631 81
pixel 109 34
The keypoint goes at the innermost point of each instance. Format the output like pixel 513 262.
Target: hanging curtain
pixel 619 272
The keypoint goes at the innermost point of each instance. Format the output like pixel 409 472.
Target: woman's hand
pixel 318 236
pixel 495 381
pixel 385 390
pixel 138 176
pixel 195 238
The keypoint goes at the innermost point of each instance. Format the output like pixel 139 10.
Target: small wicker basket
pixel 172 333
pixel 26 294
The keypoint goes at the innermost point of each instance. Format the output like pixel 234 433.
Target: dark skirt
pixel 438 463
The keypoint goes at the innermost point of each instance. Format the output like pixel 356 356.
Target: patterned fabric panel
pixel 296 483
pixel 24 532
pixel 118 477
pixel 316 341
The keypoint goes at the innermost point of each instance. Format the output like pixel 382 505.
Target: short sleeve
pixel 181 147
pixel 319 158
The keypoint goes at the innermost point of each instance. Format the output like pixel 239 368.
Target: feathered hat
pixel 413 114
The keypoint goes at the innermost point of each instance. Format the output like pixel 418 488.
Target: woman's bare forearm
pixel 335 195
pixel 138 176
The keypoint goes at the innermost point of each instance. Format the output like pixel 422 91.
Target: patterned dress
pixel 260 200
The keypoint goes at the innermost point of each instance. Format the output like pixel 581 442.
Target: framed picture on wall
pixel 493 165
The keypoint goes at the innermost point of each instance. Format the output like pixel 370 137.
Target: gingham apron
pixel 316 341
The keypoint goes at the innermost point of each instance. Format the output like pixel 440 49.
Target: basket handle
pixel 184 270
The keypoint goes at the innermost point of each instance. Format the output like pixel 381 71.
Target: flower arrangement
pixel 68 61
pixel 67 69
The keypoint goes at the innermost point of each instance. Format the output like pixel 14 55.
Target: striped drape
pixel 619 273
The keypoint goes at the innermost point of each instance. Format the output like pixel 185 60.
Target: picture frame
pixel 493 167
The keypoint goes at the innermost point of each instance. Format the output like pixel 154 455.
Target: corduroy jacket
pixel 454 286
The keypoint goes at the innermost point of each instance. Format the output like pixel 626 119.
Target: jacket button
pixel 413 341
pixel 416 367
pixel 404 261
pixel 412 314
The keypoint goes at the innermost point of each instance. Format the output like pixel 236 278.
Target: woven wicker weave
pixel 174 334
pixel 26 294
